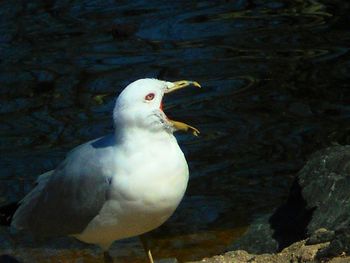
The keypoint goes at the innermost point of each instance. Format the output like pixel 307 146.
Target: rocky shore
pixel 312 226
pixel 299 252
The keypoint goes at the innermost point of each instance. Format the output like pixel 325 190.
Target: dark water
pixel 275 77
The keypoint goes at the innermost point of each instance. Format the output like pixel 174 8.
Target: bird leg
pixel 147 250
pixel 107 257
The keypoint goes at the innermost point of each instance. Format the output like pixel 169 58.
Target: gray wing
pixel 67 199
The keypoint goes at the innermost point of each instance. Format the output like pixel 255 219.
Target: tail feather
pixel 7 212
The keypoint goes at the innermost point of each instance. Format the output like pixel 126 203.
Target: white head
pixel 139 105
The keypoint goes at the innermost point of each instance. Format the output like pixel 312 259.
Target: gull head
pixel 140 106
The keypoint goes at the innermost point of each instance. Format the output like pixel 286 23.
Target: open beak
pixel 180 126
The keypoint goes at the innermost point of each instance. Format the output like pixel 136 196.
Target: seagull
pixel 117 186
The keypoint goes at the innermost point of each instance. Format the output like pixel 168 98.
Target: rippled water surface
pixel 275 78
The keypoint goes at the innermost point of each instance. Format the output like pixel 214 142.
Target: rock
pixel 339 245
pixel 318 207
pixel 325 184
pixel 317 212
pixel 276 230
pixel 258 238
pixel 298 252
pixel 319 236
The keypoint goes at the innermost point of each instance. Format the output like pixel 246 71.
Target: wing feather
pixel 66 199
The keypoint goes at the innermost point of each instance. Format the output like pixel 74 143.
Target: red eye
pixel 149 96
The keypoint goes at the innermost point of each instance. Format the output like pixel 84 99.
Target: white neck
pixel 141 135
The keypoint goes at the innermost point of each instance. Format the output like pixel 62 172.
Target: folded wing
pixel 66 199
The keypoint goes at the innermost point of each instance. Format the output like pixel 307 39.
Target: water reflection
pixel 274 77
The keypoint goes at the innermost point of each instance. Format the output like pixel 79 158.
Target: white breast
pixel 147 187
